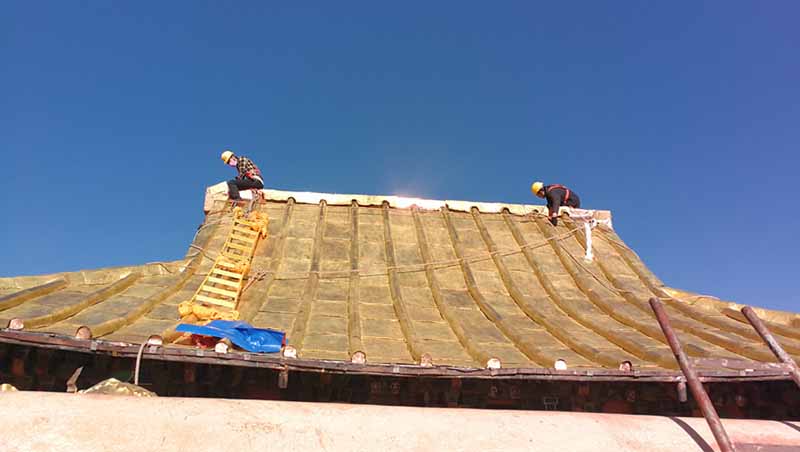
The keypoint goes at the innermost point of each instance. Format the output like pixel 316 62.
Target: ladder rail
pixel 223 284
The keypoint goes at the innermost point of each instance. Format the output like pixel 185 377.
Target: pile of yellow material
pixel 218 297
pixel 112 386
pixel 202 312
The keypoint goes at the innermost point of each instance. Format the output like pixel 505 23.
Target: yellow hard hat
pixel 226 156
pixel 536 187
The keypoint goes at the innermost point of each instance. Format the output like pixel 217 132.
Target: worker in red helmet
pixel 557 196
pixel 249 176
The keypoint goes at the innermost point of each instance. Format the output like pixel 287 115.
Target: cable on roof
pixel 407 268
pixel 593 275
pixel 260 273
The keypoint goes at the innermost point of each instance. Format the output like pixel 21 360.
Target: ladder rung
pixel 245 230
pixel 237 261
pixel 252 227
pixel 248 241
pixel 216 301
pixel 245 221
pixel 240 247
pixel 234 257
pixel 224 282
pixel 227 293
pixel 243 240
pixel 224 263
pixel 222 272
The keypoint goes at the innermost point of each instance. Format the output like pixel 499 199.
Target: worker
pixel 249 176
pixel 557 196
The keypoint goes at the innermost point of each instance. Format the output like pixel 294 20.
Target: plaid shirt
pixel 247 169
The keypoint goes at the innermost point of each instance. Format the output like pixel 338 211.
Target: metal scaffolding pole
pixel 698 391
pixel 773 344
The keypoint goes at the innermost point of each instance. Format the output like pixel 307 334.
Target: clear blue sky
pixel 681 117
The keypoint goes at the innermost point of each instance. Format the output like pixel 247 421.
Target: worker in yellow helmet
pixel 557 196
pixel 248 177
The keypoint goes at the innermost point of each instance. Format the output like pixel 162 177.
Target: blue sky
pixel 682 118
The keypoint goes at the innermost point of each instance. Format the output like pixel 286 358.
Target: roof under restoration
pixel 398 278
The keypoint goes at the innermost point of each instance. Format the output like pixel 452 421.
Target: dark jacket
pixel 557 196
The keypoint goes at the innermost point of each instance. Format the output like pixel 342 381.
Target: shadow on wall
pixel 704 446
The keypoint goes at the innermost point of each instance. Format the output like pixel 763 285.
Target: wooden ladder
pixel 223 285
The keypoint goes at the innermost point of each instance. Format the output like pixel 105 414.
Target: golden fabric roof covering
pixel 399 278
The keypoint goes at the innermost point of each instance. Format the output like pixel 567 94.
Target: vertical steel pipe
pixel 773 344
pixel 698 392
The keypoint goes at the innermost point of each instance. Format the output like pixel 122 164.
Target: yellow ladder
pixel 218 296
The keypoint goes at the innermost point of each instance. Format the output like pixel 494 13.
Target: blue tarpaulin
pixel 242 334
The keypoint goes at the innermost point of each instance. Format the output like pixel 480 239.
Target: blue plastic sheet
pixel 242 334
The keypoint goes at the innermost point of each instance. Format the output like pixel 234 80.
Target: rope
pixel 257 277
pixel 616 242
pixel 202 250
pixel 260 273
pixel 163 265
pixel 602 282
pixel 192 245
pixel 407 268
pixel 661 296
